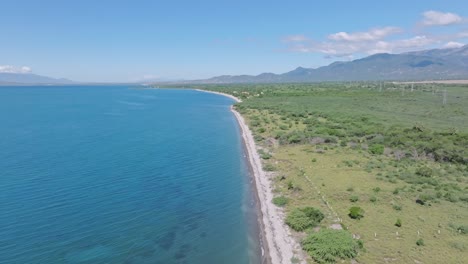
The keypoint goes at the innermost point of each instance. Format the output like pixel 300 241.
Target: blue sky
pixel 132 40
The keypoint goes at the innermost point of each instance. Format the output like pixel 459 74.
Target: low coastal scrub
pixel 398 222
pixel 399 156
pixel 329 246
pixel 354 198
pixel 269 167
pixel 420 242
pixel 356 212
pixel 280 201
pixel 300 219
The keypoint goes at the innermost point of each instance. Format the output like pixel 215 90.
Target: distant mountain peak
pixel 434 64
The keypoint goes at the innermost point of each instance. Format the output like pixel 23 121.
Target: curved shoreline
pixel 279 245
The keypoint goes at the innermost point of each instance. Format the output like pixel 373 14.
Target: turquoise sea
pixel 119 174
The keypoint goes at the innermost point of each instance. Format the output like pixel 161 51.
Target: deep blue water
pixel 122 175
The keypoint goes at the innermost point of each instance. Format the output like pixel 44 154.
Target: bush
pixel 398 222
pixel 373 199
pixel 328 245
pixel 356 212
pixel 290 185
pixel 300 219
pixel 463 229
pixel 280 201
pixel 376 189
pixel 420 242
pixel 265 156
pixel 377 149
pixel 269 167
pixel 354 198
pixel 255 123
pixel 397 207
pixel 314 214
pixel 424 171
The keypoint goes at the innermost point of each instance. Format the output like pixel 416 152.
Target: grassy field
pixel 398 152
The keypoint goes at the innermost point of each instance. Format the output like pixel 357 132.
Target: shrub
pixel 269 167
pixel 373 199
pixel 328 245
pixel 424 198
pixel 350 189
pixel 376 189
pixel 314 160
pixel 424 171
pixel 314 214
pixel 463 229
pixel 300 219
pixel 255 123
pixel 377 149
pixel 354 198
pixel 397 207
pixel 398 222
pixel 356 212
pixel 290 185
pixel 420 242
pixel 265 156
pixel 280 201
pixel 258 138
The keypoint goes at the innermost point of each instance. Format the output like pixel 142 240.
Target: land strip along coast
pixel 278 243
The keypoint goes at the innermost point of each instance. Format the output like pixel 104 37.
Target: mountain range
pixel 434 64
pixel 7 78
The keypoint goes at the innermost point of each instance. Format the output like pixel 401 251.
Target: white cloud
pixel 385 39
pixel 371 35
pixel 348 49
pixel 435 18
pixel 414 42
pixel 453 44
pixel 12 69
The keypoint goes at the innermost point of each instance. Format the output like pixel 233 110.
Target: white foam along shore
pixel 279 243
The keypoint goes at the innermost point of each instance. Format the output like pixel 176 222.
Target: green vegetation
pixel 328 246
pixel 301 219
pixel 354 198
pixel 400 151
pixel 356 212
pixel 398 222
pixel 280 201
pixel 420 242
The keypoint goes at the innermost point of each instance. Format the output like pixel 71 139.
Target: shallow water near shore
pixel 123 175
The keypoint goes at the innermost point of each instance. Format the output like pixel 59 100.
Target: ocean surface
pixel 116 174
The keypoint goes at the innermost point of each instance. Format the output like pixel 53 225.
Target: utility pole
pixel 412 86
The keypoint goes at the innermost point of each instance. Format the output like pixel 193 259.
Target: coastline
pixel 278 246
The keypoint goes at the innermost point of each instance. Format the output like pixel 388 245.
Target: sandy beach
pixel 279 245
